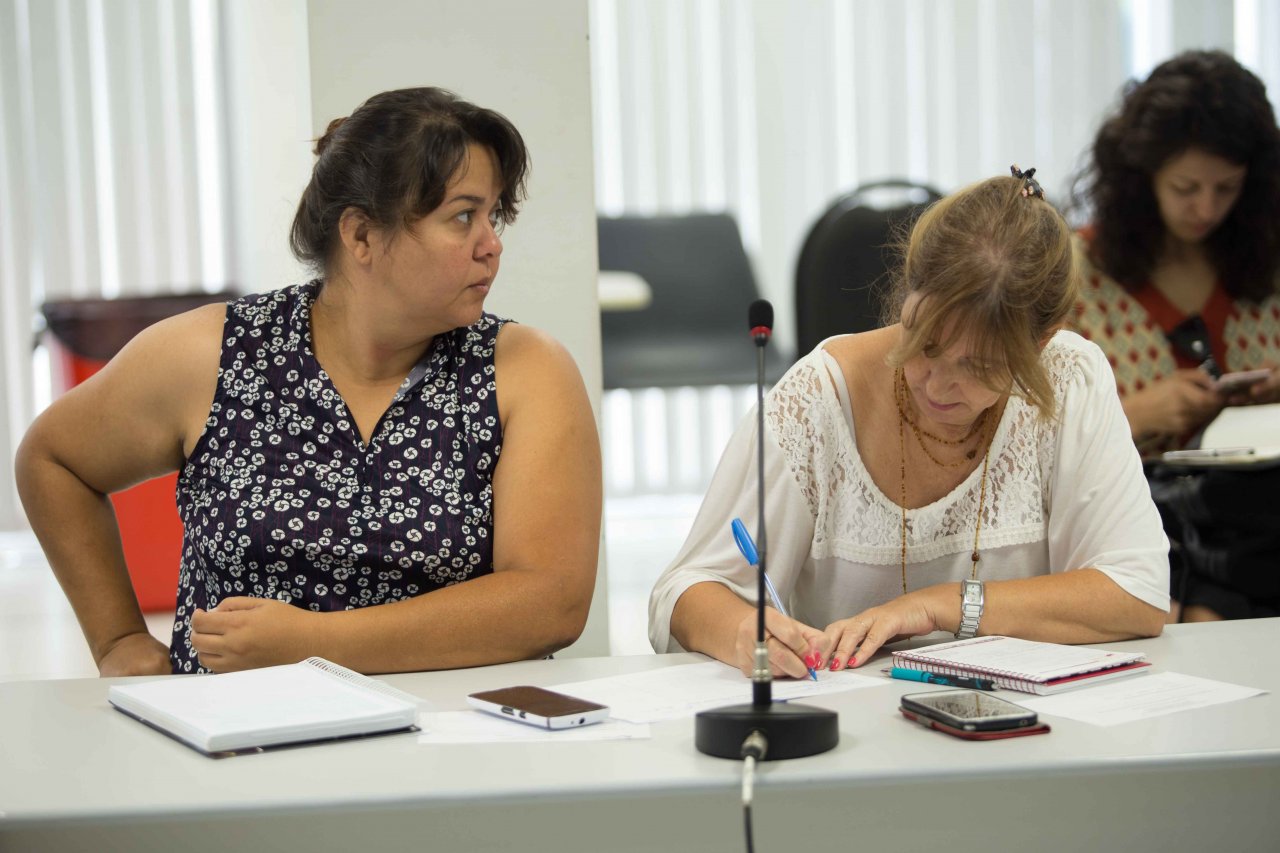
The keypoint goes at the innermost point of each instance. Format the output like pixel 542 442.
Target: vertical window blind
pixel 113 171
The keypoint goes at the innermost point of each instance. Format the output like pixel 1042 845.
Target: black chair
pixel 845 260
pixel 694 330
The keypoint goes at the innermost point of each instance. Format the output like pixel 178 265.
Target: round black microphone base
pixel 793 731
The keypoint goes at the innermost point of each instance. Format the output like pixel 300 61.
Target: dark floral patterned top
pixel 281 499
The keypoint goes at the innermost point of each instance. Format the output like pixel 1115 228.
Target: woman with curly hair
pixel 1180 260
pixel 1179 286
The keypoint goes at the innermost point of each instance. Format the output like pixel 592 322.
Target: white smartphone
pixel 1231 382
pixel 539 707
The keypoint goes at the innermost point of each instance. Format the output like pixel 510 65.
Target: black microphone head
pixel 760 315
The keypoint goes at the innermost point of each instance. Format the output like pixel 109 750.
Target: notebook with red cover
pixel 1025 665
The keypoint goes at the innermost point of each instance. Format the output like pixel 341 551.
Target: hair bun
pixel 323 142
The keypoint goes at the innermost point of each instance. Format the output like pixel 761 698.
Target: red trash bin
pixel 86 334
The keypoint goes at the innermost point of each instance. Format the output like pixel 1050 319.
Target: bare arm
pixel 711 619
pixel 547 503
pixel 135 419
pixel 1082 606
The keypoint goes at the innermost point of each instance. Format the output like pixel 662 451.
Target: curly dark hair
pixel 393 158
pixel 1198 99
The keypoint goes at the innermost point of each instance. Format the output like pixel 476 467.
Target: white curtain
pixel 771 110
pixel 113 177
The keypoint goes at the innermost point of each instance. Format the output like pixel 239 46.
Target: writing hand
pixel 136 654
pixel 246 633
pixel 793 646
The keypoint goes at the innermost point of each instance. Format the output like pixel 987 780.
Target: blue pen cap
pixel 743 538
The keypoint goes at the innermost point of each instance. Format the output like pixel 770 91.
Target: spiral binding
pixel 363 681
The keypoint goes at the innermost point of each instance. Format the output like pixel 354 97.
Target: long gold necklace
pixel 982 498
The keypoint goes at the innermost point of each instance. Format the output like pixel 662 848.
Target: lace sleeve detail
pixel 798 414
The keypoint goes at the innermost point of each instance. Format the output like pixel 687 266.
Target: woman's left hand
pixel 246 633
pixel 858 638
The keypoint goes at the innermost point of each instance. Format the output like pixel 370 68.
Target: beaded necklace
pixel 903 421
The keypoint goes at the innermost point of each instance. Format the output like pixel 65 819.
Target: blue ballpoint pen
pixel 748 549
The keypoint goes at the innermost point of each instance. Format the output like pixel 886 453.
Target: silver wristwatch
pixel 971 599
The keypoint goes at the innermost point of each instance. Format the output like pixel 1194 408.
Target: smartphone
pixel 1041 729
pixel 1231 382
pixel 969 710
pixel 539 707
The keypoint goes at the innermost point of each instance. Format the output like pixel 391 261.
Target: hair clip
pixel 1030 187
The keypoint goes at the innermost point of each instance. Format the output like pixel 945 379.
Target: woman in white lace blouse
pixel 967 469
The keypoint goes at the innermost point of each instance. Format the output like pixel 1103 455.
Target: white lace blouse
pixel 1062 494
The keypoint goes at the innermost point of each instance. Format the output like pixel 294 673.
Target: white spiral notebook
pixel 258 708
pixel 1026 665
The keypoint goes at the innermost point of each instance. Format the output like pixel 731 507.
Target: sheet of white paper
pixel 1243 426
pixel 479 727
pixel 681 691
pixel 1139 698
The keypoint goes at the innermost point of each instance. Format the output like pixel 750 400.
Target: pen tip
pixel 813 674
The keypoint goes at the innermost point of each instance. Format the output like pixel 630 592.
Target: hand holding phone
pixel 970 714
pixel 1231 383
pixel 539 707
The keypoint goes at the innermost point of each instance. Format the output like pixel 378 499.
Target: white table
pixel 77 775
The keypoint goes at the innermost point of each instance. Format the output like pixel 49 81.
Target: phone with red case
pixel 970 714
pixel 939 726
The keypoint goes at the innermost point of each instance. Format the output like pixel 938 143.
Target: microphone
pixel 760 321
pixel 764 729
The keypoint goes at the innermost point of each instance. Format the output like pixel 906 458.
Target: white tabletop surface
pixel 76 773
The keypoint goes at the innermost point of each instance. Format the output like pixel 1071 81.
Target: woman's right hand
pixel 794 647
pixel 1175 405
pixel 136 654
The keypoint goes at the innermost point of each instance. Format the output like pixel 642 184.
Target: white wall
pixel 529 61
pixel 269 136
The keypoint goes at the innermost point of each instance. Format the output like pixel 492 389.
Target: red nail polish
pixel 835 664
pixel 853 661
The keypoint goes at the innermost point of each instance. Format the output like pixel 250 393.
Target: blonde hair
pixel 992 264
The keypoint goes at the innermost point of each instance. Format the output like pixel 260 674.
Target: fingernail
pixel 853 661
pixel 812 659
pixel 835 664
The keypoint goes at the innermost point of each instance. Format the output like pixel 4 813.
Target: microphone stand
pixel 764 729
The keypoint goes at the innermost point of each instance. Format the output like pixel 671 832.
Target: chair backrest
pixel 694 329
pixel 846 259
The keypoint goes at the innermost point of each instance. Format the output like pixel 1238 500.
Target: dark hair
pixel 992 263
pixel 392 159
pixel 1198 99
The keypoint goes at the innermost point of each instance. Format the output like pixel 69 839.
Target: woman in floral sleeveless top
pixel 348 445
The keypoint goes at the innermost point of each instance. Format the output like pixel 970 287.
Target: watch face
pixel 972 591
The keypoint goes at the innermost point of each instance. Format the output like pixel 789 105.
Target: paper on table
pixel 680 691
pixel 1237 426
pixel 1139 699
pixel 479 727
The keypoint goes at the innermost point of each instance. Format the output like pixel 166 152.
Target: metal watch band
pixel 971 601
